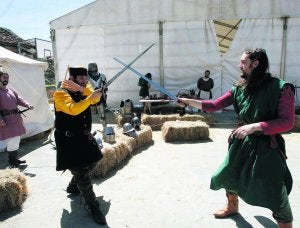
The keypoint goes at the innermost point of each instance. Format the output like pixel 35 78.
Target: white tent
pixel 27 78
pixel 186 42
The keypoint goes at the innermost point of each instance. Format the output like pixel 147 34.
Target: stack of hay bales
pixel 185 131
pixel 13 189
pixel 124 145
pixel 156 121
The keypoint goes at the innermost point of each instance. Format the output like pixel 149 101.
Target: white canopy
pixel 185 38
pixel 27 78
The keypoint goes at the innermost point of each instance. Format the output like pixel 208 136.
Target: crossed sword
pixel 128 66
pixel 125 68
pixel 115 77
pixel 159 87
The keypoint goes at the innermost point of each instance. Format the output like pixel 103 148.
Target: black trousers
pixel 82 179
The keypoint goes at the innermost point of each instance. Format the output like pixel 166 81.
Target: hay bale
pixel 114 154
pixel 156 121
pixel 184 131
pixel 120 120
pixel 13 189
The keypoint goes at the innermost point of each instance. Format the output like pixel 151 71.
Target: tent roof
pixel 6 55
pixel 105 12
pixel 226 14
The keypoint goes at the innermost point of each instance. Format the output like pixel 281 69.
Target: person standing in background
pixel 98 81
pixel 205 84
pixel 144 91
pixel 11 122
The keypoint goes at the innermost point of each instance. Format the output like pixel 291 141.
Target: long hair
pixel 260 74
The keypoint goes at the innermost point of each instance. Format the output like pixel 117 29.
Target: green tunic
pixel 255 167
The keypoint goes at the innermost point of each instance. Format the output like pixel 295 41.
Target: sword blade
pixel 159 87
pixel 127 66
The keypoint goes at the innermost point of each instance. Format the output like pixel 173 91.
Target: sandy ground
pixel 163 185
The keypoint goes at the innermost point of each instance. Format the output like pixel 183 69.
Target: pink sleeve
pixel 286 114
pixel 20 100
pixel 220 103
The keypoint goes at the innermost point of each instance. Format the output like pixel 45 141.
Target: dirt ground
pixel 163 185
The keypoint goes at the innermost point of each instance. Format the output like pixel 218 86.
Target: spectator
pixel 205 85
pixel 11 122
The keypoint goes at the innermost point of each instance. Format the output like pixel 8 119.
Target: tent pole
pixel 161 56
pixel 53 40
pixel 283 48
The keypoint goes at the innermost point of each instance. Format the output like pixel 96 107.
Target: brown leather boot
pixel 285 225
pixel 231 208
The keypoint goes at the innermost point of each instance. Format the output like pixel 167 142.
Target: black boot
pixel 96 212
pixel 72 187
pixel 13 160
pixel 85 187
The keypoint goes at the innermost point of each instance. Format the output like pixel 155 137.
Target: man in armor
pixel 98 81
pixel 77 149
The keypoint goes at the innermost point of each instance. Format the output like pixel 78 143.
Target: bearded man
pixel 11 122
pixel 205 84
pixel 255 167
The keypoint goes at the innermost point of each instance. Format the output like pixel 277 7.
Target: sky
pixel 31 18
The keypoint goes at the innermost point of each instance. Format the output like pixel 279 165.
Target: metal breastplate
pixel 127 108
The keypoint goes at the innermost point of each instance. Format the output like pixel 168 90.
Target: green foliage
pixel 49 74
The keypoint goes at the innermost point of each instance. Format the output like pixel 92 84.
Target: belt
pixel 9 112
pixel 75 133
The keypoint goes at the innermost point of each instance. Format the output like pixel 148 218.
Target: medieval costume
pixel 98 81
pixel 144 91
pixel 14 126
pixel 77 149
pixel 205 85
pixel 73 122
pixel 255 167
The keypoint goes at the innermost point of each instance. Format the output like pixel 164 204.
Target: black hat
pixel 76 71
pixel 148 75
